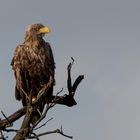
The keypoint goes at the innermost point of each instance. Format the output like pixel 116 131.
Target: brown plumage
pixel 33 65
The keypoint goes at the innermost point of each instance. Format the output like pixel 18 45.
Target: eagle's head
pixel 36 31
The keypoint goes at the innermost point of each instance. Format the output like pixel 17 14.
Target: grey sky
pixel 104 38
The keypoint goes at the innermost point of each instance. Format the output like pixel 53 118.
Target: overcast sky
pixel 103 36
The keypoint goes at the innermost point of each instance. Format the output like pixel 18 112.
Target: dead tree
pixel 26 130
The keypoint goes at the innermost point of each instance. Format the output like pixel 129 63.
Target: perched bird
pixel 33 65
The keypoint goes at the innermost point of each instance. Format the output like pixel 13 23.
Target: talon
pixel 33 99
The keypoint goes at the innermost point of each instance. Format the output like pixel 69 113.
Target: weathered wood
pixel 12 118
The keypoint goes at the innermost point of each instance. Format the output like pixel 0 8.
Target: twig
pixel 76 83
pixel 59 131
pixel 59 92
pixel 41 118
pixel 56 98
pixel 69 83
pixel 2 136
pixel 12 118
pixel 43 124
pixel 35 136
pixel 10 130
pixel 25 94
pixel 9 123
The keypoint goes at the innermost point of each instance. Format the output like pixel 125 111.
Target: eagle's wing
pixel 49 67
pixel 20 87
pixel 51 62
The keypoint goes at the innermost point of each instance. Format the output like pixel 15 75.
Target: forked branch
pixel 26 131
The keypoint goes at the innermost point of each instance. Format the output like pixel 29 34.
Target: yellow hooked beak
pixel 44 30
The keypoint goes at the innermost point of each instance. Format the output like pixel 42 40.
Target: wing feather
pixel 20 87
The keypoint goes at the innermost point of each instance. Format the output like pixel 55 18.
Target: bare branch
pixel 43 124
pixel 59 131
pixel 27 98
pixel 26 130
pixel 12 118
pixel 41 118
pixel 35 136
pixel 69 84
pixel 55 99
pixel 77 82
pixel 9 123
pixel 10 130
